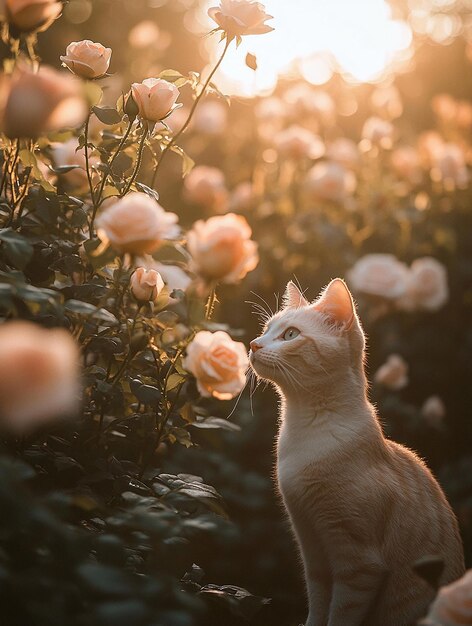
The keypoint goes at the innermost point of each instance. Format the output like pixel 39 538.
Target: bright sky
pixel 360 37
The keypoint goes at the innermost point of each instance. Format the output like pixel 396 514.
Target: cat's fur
pixel 363 508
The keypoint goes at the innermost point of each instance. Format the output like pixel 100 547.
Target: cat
pixel 363 508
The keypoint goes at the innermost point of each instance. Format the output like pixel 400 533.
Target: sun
pixel 314 38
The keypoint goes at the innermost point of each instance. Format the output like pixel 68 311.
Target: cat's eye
pixel 290 333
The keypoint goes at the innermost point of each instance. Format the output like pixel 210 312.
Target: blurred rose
pixel 426 287
pixel 221 248
pixel 137 224
pixel 210 118
pixel 155 98
pixel 453 604
pixel 87 59
pixel 32 103
pixel 433 411
pixel 146 285
pixel 302 98
pixel 464 114
pixel 344 151
pixel 242 197
pixel 270 109
pixel 218 363
pixel 144 34
pixel 430 143
pixel 67 154
pixel 330 181
pixel 241 17
pixel 406 163
pixel 393 374
pixel 449 166
pixel 379 275
pixel 387 102
pixel 206 187
pixel 32 15
pixel 297 142
pixel 177 119
pixel 379 132
pixel 444 107
pixel 39 376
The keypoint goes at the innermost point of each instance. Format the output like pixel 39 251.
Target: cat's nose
pixel 255 346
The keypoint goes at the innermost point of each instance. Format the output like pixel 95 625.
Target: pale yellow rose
pixel 206 187
pixel 296 142
pixel 221 248
pixel 155 98
pixel 378 132
pixel 426 287
pixel 241 17
pixel 393 374
pixel 330 181
pixel 381 275
pixel 39 376
pixel 146 285
pixel 33 103
pixel 453 604
pixel 218 364
pixel 87 59
pixel 137 224
pixel 32 15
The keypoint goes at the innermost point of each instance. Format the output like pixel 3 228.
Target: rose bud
pixel 87 59
pixel 39 376
pixel 221 248
pixel 155 98
pixel 137 224
pixel 32 103
pixel 146 285
pixel 218 363
pixel 393 374
pixel 240 17
pixel 32 15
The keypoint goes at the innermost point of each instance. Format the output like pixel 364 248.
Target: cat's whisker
pixel 248 373
pixel 265 303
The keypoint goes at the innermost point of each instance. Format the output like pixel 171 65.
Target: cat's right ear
pixel 293 297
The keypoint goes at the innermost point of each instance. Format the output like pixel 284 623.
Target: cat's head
pixel 307 345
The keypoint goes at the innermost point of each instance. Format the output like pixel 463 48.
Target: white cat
pixel 363 508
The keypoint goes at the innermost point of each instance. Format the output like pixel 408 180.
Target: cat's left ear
pixel 337 304
pixel 293 297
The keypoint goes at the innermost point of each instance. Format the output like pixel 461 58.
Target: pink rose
pixel 33 103
pixel 137 224
pixel 241 17
pixel 146 285
pixel 344 151
pixel 297 142
pixel 330 181
pixel 378 132
pixel 206 187
pixel 218 363
pixel 155 98
pixel 426 286
pixel 380 275
pixel 39 376
pixel 221 248
pixel 453 604
pixel 32 15
pixel 87 59
pixel 393 374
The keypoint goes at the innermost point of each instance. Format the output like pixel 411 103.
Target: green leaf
pixel 174 381
pixel 187 162
pixel 89 310
pixel 107 115
pixel 17 249
pixel 251 61
pixel 216 422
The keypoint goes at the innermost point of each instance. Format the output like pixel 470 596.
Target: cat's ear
pixel 293 297
pixel 337 304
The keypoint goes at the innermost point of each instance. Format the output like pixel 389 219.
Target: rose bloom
pixel 174 276
pixel 211 118
pixel 39 376
pixel 87 59
pixel 378 131
pixel 344 151
pixel 32 15
pixel 146 285
pixel 218 364
pixel 155 98
pixel 330 181
pixel 206 187
pixel 449 167
pixel 393 374
pixel 426 287
pixel 137 224
pixel 297 142
pixel 381 275
pixel 32 103
pixel 433 411
pixel 406 163
pixel 241 17
pixel 453 604
pixel 221 248
pixel 64 154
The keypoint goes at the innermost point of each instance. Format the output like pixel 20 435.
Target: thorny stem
pixel 176 137
pixel 210 305
pixel 87 160
pixel 138 164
